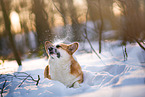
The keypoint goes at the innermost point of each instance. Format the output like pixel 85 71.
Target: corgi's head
pixel 60 50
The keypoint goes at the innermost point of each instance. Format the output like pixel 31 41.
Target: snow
pixel 113 77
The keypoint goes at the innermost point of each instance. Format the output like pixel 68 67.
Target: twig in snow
pixel 18 75
pixel 2 89
pixel 37 81
pixel 23 77
pixel 23 80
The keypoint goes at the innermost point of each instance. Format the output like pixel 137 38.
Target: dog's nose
pixel 50 50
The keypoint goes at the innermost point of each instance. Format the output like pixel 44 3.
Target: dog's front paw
pixel 76 85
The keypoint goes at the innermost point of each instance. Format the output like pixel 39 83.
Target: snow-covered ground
pixel 111 77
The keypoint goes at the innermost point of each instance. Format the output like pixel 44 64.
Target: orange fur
pixel 76 70
pixel 46 72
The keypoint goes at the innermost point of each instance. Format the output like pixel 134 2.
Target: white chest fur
pixel 60 69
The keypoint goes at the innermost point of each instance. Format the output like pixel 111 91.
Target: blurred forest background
pixel 26 24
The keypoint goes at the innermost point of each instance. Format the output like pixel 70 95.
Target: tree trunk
pixel 41 20
pixel 8 30
pixel 100 27
pixel 95 12
pixel 74 21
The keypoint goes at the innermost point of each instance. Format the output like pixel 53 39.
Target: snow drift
pixel 113 77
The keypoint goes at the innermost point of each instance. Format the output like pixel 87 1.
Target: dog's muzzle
pixel 52 51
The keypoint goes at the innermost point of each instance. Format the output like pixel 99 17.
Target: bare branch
pixel 58 9
pixel 86 36
pixel 23 80
pixel 140 44
pixel 37 81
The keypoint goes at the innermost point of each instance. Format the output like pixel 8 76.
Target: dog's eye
pixel 58 46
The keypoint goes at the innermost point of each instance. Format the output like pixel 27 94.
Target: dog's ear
pixel 47 45
pixel 73 47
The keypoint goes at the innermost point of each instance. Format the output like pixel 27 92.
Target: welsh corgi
pixel 63 66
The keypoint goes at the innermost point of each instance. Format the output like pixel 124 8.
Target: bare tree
pixel 132 21
pixel 8 30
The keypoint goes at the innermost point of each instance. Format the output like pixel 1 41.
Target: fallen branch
pixel 26 77
pixel 23 80
pixel 18 75
pixel 2 89
pixel 36 80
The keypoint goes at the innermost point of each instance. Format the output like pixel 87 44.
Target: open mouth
pixel 53 51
